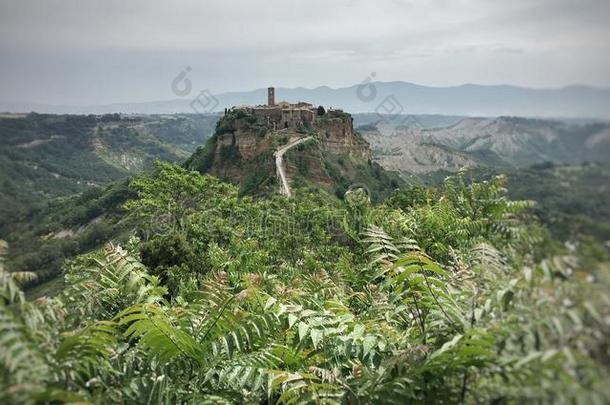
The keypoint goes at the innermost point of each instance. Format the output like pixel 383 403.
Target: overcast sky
pixel 92 52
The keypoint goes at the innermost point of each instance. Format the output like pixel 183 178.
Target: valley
pixel 415 149
pixel 48 156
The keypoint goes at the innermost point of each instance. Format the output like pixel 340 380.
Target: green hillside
pixel 335 159
pixel 573 200
pixel 46 156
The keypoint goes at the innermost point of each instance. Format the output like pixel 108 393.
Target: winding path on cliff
pixel 279 164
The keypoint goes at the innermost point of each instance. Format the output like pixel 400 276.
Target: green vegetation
pixel 574 201
pixel 349 172
pixel 452 294
pixel 571 200
pixel 44 156
pixel 63 228
pixel 238 119
pixel 185 132
pixel 261 180
pixel 330 114
pixel 234 120
pixel 47 156
pixel 203 158
pixel 337 173
pixel 229 153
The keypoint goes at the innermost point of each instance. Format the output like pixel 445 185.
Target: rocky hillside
pixel 337 157
pixel 503 142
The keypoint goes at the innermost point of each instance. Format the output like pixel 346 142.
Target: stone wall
pixel 280 117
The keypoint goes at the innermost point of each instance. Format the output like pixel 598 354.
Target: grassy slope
pixel 338 173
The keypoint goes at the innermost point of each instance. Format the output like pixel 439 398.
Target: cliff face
pixel 336 134
pixel 241 150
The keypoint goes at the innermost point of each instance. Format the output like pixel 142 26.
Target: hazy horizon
pixel 173 97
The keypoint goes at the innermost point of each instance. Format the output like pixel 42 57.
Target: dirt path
pixel 279 165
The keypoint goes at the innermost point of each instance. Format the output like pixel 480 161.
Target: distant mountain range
pixel 382 97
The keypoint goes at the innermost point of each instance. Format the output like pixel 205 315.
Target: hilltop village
pixel 321 147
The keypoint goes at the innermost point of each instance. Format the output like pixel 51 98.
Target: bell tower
pixel 271 96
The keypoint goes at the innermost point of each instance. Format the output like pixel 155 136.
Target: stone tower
pixel 271 96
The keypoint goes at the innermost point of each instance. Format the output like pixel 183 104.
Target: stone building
pixel 283 114
pixel 335 128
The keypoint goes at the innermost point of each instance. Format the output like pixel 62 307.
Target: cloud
pixel 133 47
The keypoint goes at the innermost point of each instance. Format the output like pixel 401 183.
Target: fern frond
pixel 304 388
pixel 9 288
pixel 97 340
pixel 154 331
pixel 485 256
pixel 23 367
pixel 248 335
pixel 103 285
pixel 381 246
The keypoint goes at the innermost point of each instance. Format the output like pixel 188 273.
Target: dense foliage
pixel 63 228
pixel 442 295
